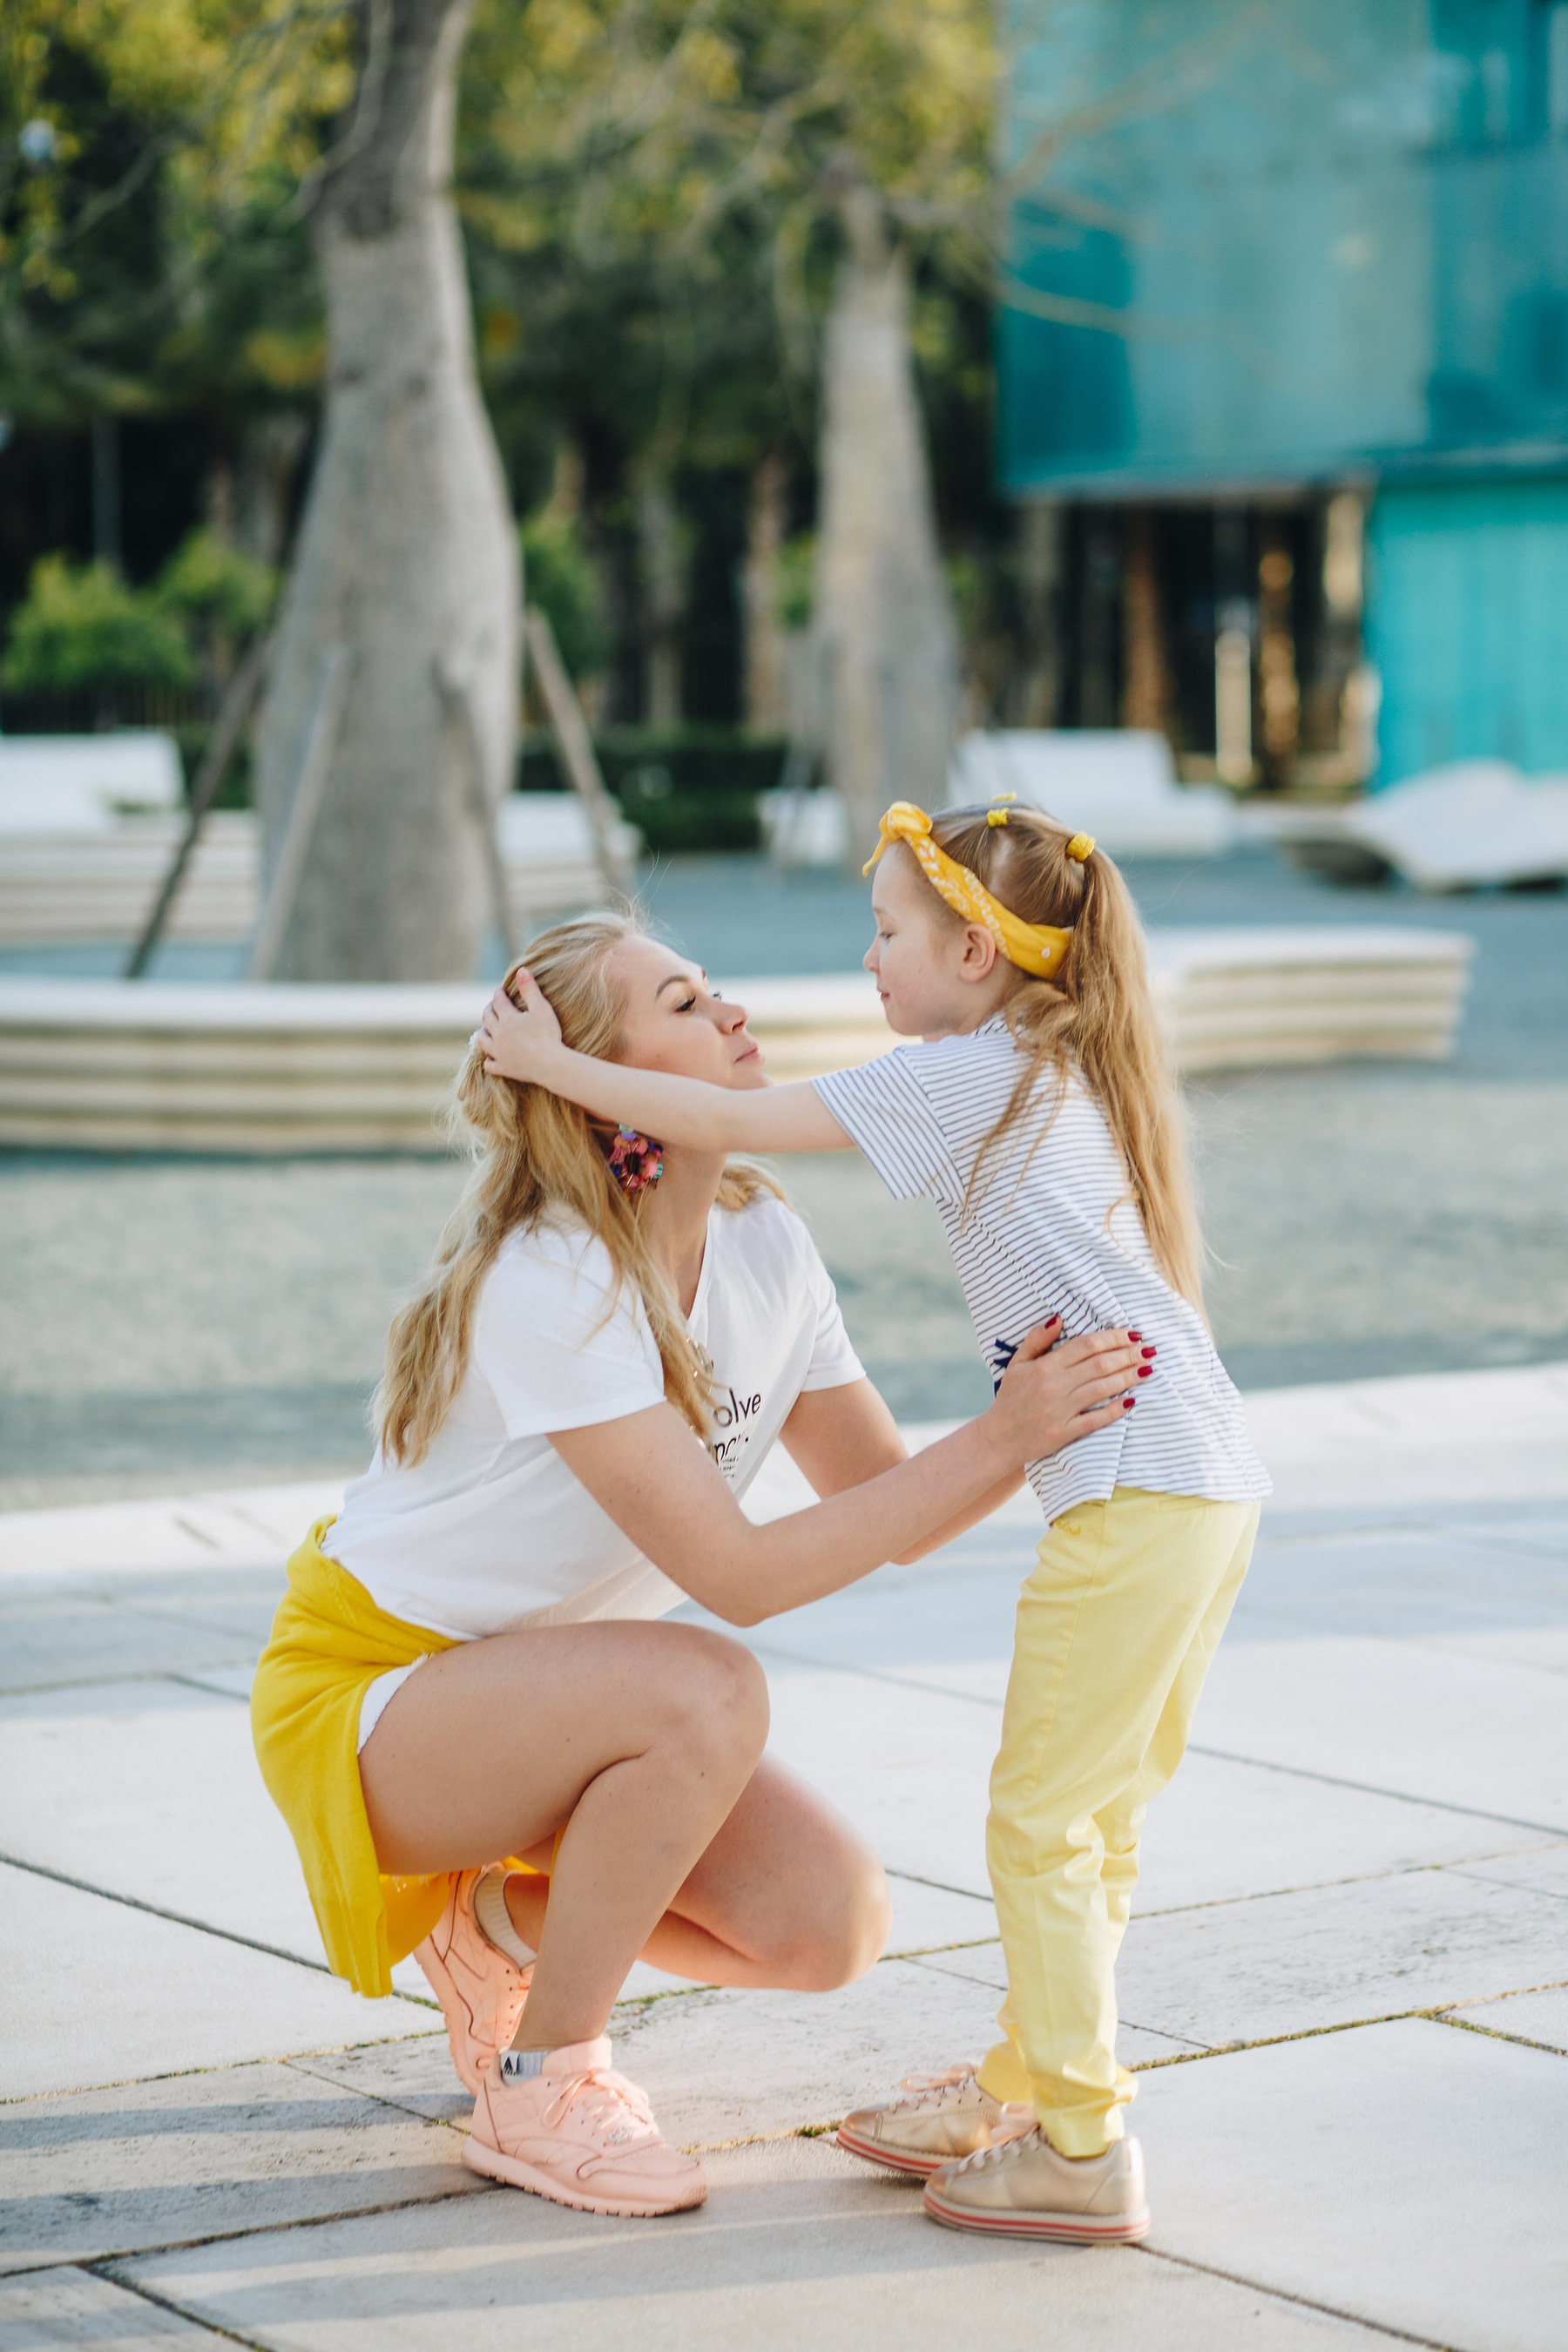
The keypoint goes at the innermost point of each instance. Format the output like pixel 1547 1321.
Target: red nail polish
pixel 1136 1335
pixel 1128 1403
pixel 1151 1352
pixel 1145 1370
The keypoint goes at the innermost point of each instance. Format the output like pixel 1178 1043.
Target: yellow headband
pixel 1037 948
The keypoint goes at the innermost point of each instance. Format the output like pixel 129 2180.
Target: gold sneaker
pixel 1022 2188
pixel 946 2115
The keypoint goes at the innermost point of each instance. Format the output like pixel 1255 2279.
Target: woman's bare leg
pixel 641 1737
pixel 786 1895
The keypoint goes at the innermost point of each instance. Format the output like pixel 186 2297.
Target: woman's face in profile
pixel 673 1021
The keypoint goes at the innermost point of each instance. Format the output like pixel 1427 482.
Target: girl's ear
pixel 978 961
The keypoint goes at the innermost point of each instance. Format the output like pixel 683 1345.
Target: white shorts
pixel 374 1700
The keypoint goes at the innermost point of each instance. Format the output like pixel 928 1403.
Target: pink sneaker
pixel 480 1990
pixel 580 2132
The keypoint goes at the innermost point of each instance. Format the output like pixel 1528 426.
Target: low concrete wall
pixel 153 1067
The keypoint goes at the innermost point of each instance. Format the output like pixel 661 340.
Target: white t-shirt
pixel 491 1530
pixel 1051 1232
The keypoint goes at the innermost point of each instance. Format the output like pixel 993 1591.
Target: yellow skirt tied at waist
pixel 329 1642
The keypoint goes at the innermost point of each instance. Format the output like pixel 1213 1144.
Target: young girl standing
pixel 1038 1114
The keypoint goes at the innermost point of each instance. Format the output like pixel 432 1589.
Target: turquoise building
pixel 1286 287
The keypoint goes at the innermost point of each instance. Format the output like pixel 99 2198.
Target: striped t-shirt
pixel 1057 1237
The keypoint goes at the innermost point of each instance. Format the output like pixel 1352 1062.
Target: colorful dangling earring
pixel 635 1161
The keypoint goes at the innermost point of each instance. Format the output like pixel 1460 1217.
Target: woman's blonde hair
pixel 1096 1015
pixel 535 1155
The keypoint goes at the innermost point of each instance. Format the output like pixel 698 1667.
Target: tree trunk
pixel 662 553
pixel 1145 672
pixel 888 640
pixel 767 641
pixel 408 557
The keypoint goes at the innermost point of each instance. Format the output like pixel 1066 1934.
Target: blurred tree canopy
pixel 649 194
pixel 152 154
pixel 647 189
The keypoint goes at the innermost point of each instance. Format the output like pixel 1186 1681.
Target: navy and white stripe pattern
pixel 1055 1237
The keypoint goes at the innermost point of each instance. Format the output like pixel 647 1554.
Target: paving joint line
pixel 1219 1755
pixel 178 2310
pixel 101 2263
pixel 1302 2301
pixel 357 2091
pixel 1465 1867
pixel 183 1919
pixel 1438 2013
pixel 1368 1789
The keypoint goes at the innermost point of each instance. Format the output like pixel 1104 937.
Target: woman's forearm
pixel 658 1485
pixel 808 1554
pixel 656 1480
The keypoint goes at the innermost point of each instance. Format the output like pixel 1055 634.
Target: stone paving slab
pixel 74 2307
pixel 1539 2017
pixel 1445 1726
pixel 1332 1956
pixel 722 2065
pixel 193 2155
pixel 150 1790
pixel 97 1993
pixel 1399 2173
pixel 913 1780
pixel 48 1641
pixel 798 2245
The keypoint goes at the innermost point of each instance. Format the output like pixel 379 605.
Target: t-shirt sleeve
pixel 559 1345
pixel 834 1363
pixel 883 1107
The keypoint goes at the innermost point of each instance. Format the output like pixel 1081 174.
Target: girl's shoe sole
pixel 516 2175
pixel 873 2152
pixel 1120 2230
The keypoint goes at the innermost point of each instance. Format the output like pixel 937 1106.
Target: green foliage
pixel 150 151
pixel 558 576
pixel 213 584
pixel 796 578
pixel 685 788
pixel 82 625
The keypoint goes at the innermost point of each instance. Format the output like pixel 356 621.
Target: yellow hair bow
pixel 1034 948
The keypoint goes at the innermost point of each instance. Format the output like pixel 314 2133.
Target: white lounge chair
pixel 1118 783
pixel 1476 824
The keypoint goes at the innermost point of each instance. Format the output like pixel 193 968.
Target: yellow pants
pixel 1116 1629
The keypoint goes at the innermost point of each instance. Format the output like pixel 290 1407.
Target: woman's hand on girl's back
pixel 1056 1390
pixel 520 1031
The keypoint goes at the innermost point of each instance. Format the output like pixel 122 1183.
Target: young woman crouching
pixel 490 1750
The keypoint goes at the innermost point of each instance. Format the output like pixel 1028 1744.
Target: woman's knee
pixel 849 1933
pixel 720 1705
pixel 870 1920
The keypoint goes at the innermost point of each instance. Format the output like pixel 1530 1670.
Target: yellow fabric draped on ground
pixel 329 1642
pixel 1116 1631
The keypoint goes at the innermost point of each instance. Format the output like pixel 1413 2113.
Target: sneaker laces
pixel 999 2152
pixel 615 2106
pixel 946 2078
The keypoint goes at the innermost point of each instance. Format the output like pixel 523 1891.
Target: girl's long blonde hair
pixel 1096 1015
pixel 533 1155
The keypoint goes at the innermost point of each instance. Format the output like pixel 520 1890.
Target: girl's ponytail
pixel 1096 1015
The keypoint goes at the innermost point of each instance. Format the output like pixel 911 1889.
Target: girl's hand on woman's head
pixel 521 1032
pixel 1051 1395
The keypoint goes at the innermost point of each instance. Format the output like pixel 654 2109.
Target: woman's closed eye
pixel 685 1003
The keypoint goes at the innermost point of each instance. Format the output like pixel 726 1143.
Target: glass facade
pixel 1262 248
